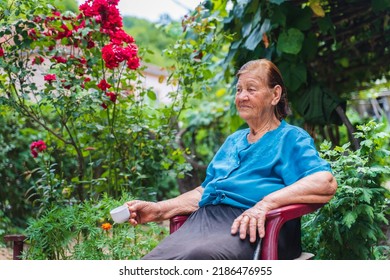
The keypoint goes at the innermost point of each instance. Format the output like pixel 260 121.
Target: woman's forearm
pixel 183 204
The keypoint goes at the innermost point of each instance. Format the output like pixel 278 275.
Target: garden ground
pixel 6 253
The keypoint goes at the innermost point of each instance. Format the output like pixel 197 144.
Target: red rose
pixel 104 12
pixel 1 52
pixel 88 9
pixel 83 60
pixel 110 17
pixel 50 77
pixel 133 62
pixel 37 147
pixel 112 96
pixel 103 85
pixel 90 44
pixel 59 59
pixel 119 36
pixel 109 56
pixel 132 59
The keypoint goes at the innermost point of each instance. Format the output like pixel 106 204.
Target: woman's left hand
pixel 251 222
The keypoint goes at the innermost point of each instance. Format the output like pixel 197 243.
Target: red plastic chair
pixel 275 219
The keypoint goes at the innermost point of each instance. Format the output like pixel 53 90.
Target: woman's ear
pixel 276 94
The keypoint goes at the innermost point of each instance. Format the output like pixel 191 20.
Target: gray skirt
pixel 205 236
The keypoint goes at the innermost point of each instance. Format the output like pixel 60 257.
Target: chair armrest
pixel 176 222
pixel 275 220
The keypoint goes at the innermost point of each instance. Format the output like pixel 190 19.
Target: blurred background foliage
pixel 332 54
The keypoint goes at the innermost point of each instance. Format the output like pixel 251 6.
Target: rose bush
pixel 77 77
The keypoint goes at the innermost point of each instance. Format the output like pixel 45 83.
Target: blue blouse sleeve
pixel 299 157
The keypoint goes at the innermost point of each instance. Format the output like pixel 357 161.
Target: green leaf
pixel 336 233
pixel 257 35
pixel 303 19
pixel 278 17
pixel 326 25
pixel 294 74
pixel 349 218
pixel 366 211
pixel 310 46
pixel 366 195
pixel 235 45
pixel 246 29
pixel 152 95
pixel 239 10
pixel 291 41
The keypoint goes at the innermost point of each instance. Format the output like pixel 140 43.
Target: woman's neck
pixel 257 130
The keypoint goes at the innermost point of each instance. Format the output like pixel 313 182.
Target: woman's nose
pixel 243 95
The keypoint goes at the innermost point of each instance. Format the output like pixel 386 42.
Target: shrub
pixel 85 231
pixel 350 226
pixel 78 78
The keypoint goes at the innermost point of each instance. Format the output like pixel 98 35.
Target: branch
pixel 350 128
pixel 30 114
pixel 179 141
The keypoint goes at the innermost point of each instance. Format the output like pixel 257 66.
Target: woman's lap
pixel 205 235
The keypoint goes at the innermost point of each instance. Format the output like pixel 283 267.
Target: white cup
pixel 120 214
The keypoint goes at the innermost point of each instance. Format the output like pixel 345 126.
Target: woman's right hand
pixel 143 211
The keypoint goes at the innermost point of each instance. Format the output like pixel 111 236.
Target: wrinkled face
pixel 254 99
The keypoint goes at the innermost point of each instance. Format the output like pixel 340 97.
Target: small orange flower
pixel 106 226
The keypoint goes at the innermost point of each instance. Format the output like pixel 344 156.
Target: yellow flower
pixel 106 226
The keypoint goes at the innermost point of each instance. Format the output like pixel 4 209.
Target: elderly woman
pixel 266 166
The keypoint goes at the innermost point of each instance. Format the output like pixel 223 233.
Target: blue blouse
pixel 242 173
